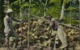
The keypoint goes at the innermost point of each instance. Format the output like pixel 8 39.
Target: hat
pixel 9 11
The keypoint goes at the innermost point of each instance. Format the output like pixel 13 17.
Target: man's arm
pixel 15 19
pixel 54 23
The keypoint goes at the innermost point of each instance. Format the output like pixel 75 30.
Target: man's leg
pixel 16 39
pixel 7 40
pixel 62 36
pixel 11 39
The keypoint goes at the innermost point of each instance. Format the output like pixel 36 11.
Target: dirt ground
pixel 5 48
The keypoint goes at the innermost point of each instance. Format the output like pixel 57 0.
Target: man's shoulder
pixel 6 17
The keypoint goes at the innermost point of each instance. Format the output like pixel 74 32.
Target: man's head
pixel 9 12
pixel 48 17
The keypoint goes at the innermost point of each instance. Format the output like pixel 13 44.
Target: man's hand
pixel 21 22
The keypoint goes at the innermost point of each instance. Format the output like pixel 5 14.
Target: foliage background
pixel 40 8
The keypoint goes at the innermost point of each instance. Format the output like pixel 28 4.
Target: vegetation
pixel 38 8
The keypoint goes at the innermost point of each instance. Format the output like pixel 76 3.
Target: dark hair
pixel 48 17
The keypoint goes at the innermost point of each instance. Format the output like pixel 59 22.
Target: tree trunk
pixel 44 11
pixel 62 12
pixel 79 13
pixel 45 7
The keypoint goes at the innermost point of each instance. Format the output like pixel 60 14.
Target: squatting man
pixel 8 30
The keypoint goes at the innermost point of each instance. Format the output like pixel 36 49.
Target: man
pixel 60 34
pixel 8 30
